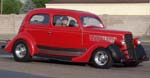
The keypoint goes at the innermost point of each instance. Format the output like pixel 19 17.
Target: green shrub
pixel 40 3
pixel 11 6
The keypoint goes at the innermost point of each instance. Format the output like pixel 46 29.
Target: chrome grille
pixel 130 45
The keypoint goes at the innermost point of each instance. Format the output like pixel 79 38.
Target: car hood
pixel 107 32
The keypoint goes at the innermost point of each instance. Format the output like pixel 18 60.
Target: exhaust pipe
pixel 3 43
pixel 3 46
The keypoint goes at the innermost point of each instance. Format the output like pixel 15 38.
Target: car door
pixel 39 27
pixel 66 38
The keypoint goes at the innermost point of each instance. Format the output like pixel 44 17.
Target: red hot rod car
pixel 74 36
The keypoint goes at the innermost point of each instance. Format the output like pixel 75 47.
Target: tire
pixel 21 51
pixel 101 58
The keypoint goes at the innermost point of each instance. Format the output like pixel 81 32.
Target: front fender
pixel 141 53
pixel 87 55
pixel 27 38
pixel 116 53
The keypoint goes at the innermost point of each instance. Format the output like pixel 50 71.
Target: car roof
pixel 67 11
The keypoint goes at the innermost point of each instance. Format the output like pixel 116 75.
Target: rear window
pixel 40 19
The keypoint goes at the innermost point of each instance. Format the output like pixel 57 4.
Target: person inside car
pixel 65 21
pixel 72 23
pixel 57 21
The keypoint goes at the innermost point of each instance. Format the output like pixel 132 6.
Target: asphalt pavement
pixel 45 68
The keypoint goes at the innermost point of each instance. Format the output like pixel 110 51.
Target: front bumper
pixel 121 56
pixel 138 60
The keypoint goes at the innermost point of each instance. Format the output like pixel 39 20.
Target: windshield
pixel 89 21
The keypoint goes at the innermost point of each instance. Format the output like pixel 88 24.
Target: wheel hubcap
pixel 20 50
pixel 101 58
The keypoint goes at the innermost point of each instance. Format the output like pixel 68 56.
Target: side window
pixel 66 21
pixel 40 19
pixel 88 21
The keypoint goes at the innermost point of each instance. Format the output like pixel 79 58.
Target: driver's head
pixel 65 20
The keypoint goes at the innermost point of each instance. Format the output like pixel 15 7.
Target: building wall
pixel 9 24
pixel 138 24
pixel 99 1
pixel 107 8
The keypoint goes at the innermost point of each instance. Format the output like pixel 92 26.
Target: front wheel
pixel 101 58
pixel 21 52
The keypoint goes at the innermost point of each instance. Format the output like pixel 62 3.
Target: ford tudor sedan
pixel 74 36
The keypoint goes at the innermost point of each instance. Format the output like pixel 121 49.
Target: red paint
pixel 67 37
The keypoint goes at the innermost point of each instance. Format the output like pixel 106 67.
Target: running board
pixel 60 58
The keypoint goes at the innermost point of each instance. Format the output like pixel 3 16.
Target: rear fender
pixel 27 38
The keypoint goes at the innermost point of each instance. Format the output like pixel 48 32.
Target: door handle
pixel 49 32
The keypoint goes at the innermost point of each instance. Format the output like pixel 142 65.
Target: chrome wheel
pixel 101 58
pixel 20 50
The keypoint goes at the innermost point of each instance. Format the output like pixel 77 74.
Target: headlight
pixel 123 42
pixel 138 42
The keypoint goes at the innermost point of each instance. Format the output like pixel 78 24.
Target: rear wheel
pixel 21 52
pixel 101 58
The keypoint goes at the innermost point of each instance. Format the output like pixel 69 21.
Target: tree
pixel 0 5
pixel 29 5
pixel 11 6
pixel 40 3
